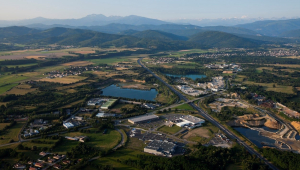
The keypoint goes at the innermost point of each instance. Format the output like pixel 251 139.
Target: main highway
pixel 211 119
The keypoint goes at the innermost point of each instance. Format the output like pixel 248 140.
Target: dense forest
pixel 204 158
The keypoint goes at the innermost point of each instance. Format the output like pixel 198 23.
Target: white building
pixel 190 121
pixel 68 125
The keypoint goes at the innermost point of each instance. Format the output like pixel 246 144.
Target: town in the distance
pixel 149 96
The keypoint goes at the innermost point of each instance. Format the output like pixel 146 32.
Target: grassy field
pixel 112 60
pixel 133 148
pixel 21 90
pixel 122 154
pixel 7 87
pixel 269 87
pixel 2 125
pixel 170 130
pixel 78 63
pixel 11 133
pixel 65 80
pixel 184 107
pixel 7 79
pixel 21 65
pixel 103 141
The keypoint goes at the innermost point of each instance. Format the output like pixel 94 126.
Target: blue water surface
pixel 116 91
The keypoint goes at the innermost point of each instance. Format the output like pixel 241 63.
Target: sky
pixel 158 9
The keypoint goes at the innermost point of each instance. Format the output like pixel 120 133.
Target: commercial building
pixel 161 148
pixel 105 115
pixel 68 125
pixel 143 119
pixel 190 121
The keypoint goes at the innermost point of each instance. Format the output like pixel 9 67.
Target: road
pixel 122 142
pixel 210 119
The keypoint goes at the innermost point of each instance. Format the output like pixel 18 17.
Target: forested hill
pixel 144 39
pixel 272 27
pixel 16 31
pixel 293 33
pixel 159 35
pixel 222 40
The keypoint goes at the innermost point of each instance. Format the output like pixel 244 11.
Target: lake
pixel 254 137
pixel 116 91
pixel 192 76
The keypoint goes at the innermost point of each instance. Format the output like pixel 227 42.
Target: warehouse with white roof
pixel 143 119
pixel 190 121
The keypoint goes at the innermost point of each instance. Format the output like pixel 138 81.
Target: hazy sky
pixel 159 9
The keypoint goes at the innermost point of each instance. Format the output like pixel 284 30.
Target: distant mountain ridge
pixel 90 20
pixel 117 24
pixel 272 27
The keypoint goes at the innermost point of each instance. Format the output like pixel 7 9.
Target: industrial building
pixel 143 119
pixel 190 121
pixel 161 148
pixel 105 115
pixel 68 125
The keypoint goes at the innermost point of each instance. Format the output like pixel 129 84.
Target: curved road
pixel 209 118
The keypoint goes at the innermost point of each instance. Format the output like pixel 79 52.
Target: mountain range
pixel 135 31
pixel 133 38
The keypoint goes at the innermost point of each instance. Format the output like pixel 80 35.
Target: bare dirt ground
pixel 17 55
pixel 296 125
pixel 64 80
pixel 166 66
pixel 36 57
pixel 85 52
pixel 135 86
pixel 78 63
pixel 197 132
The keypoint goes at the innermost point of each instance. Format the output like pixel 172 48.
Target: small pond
pixel 254 137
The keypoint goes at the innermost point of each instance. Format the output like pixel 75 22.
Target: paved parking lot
pixel 152 124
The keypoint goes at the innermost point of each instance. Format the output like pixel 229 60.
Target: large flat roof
pixel 143 118
pixel 161 145
pixel 192 119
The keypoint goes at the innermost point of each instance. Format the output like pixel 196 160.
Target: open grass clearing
pixel 11 133
pixel 115 60
pixel 170 130
pixel 2 125
pixel 21 65
pixel 78 63
pixel 104 141
pixel 293 57
pixel 122 154
pixel 36 57
pixel 260 69
pixel 21 89
pixel 184 107
pixel 269 87
pixel 285 65
pixel 5 88
pixel 65 87
pixel 64 80
pixel 72 104
pixel 14 78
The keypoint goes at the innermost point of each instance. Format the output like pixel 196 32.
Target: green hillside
pixel 158 35
pixel 217 39
pixel 293 33
pixel 16 31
